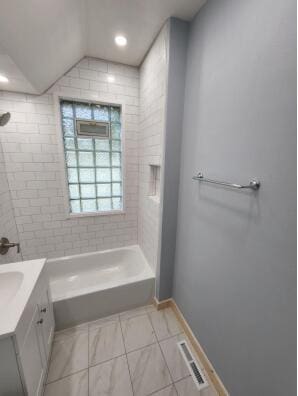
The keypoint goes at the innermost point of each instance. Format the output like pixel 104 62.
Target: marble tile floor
pixel 133 353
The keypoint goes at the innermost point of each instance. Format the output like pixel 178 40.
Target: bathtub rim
pixel 87 254
pixel 147 274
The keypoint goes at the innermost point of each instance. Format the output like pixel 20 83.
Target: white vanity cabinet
pixel 46 321
pixel 32 358
pixel 25 353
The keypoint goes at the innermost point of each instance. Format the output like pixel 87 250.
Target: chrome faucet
pixel 5 245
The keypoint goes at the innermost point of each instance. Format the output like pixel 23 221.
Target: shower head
pixel 4 118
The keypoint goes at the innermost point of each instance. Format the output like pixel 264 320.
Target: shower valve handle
pixel 5 245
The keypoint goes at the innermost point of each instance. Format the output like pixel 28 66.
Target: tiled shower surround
pixel 30 146
pixel 153 80
pixel 8 225
pixel 34 174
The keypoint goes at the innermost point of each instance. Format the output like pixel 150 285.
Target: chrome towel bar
pixel 253 184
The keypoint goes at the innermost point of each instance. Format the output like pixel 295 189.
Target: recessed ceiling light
pixel 121 41
pixel 3 79
pixel 111 78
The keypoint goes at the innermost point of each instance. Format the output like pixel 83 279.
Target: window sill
pixel 90 214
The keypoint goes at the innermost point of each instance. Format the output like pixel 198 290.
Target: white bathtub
pixel 88 286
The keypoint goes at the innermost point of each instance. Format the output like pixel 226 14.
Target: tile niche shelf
pixel 154 182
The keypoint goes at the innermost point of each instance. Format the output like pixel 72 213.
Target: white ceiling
pixel 41 40
pixel 138 20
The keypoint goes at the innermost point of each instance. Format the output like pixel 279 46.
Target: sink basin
pixel 10 283
pixel 17 282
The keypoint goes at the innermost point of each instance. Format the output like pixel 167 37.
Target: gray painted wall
pixel 235 269
pixel 177 54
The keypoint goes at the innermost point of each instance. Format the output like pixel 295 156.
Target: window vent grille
pixel 193 367
pixel 100 130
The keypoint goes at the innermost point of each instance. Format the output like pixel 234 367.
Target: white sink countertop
pixel 17 281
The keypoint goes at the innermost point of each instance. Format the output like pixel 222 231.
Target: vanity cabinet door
pixel 48 323
pixel 31 358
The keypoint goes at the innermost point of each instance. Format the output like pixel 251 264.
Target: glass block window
pixel 93 164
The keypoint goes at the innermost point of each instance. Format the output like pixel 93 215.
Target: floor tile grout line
pixel 75 372
pixel 166 338
pixel 147 313
pixel 66 376
pixel 82 331
pixel 135 315
pixel 114 323
pixel 88 366
pixel 106 361
pixel 156 342
pixel 161 389
pixel 87 331
pixel 130 377
pixel 176 388
pixel 161 354
pixel 171 336
pixel 104 324
pixel 144 346
pixel 159 341
pixel 165 362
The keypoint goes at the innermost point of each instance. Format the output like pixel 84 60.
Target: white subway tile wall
pixel 153 80
pixel 30 148
pixel 8 227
